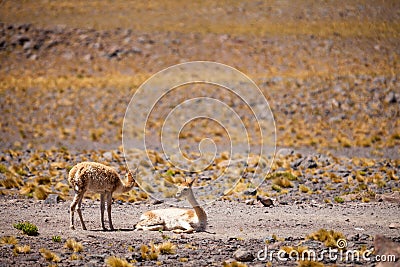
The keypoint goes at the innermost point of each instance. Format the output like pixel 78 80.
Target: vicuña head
pixel 97 178
pixel 176 219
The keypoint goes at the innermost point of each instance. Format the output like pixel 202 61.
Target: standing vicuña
pixel 97 178
pixel 176 219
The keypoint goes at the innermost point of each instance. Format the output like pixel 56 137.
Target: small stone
pixel 87 57
pixel 250 192
pixel 249 202
pixel 107 156
pixel 309 163
pixel 243 255
pixel 385 246
pixel 393 197
pixel 390 98
pixel 51 199
pixel 285 152
pixel 294 165
pixel 394 226
pixel 157 202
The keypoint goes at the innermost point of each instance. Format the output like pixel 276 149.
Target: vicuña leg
pixel 102 205
pixel 76 206
pixel 109 202
pixel 79 210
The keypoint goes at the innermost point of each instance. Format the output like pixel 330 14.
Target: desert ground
pixel 330 73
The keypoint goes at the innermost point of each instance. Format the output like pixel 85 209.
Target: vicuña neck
pixel 192 200
pixel 201 214
pixel 125 187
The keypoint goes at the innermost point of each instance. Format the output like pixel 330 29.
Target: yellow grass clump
pixel 73 245
pixel 22 249
pixel 114 261
pixel 329 238
pixel 48 255
pixel 10 240
pixel 167 248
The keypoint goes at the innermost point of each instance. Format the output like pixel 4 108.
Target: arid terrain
pixel 330 73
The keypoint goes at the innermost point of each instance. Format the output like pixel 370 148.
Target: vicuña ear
pixel 192 181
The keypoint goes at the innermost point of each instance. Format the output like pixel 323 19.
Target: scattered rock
pixel 390 98
pixel 385 246
pixel 250 192
pixel 285 152
pixel 157 202
pixel 309 163
pixel 243 255
pixel 249 202
pixel 51 199
pixel 393 197
pixel 107 155
pixel 394 226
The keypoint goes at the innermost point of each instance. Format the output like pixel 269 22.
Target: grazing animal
pixel 176 219
pixel 97 178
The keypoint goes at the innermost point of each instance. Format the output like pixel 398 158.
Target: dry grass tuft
pixel 234 264
pixel 40 192
pixel 10 240
pixel 167 248
pixel 73 245
pixel 282 182
pixel 75 257
pixel 22 249
pixel 149 252
pixel 48 255
pixel 304 189
pixel 11 182
pixel 114 261
pixel 329 238
pixel 307 263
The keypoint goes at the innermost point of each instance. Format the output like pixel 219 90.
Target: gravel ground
pixel 232 225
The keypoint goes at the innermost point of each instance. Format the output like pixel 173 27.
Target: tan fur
pixel 97 178
pixel 176 219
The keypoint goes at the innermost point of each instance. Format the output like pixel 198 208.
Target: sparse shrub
pixel 48 255
pixel 339 199
pixel 114 261
pixel 3 168
pixel 56 238
pixel 277 188
pixel 282 182
pixel 304 189
pixel 27 228
pixel 73 245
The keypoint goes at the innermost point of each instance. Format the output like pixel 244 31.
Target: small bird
pixel 267 202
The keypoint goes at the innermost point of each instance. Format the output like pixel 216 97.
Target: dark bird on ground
pixel 267 202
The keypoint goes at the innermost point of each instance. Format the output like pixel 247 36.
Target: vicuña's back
pixel 176 219
pixel 98 178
